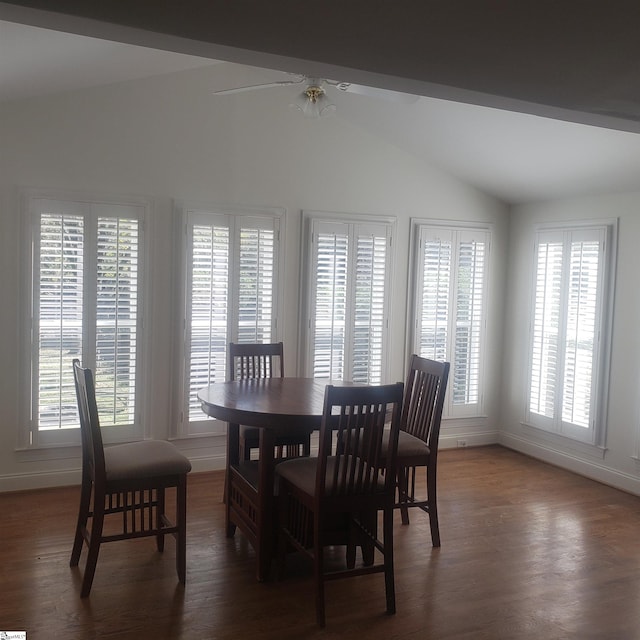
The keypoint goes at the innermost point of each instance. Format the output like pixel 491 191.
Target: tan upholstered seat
pixel 146 459
pixel 128 482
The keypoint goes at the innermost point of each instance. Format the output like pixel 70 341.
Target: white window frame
pixel 188 214
pixel 607 231
pixel 90 207
pixel 456 231
pixel 353 225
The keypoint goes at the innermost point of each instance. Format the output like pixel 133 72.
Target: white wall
pixel 167 138
pixel 618 465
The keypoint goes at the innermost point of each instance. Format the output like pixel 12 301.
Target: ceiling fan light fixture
pixel 313 102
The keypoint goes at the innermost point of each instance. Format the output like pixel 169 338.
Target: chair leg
pixel 159 514
pixel 306 447
pixel 403 493
pixel 352 542
pixel 97 522
pixel 318 569
pixel 181 522
pixel 389 583
pixel 245 449
pixel 230 527
pixel 83 517
pixel 282 511
pixel 433 506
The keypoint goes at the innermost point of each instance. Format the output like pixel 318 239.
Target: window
pixel 569 338
pixel 85 303
pixel 348 271
pixel 450 276
pixel 231 280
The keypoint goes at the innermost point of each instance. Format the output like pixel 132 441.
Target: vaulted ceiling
pixel 528 99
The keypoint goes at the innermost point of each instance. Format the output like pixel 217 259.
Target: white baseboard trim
pixel 72 477
pixel 473 439
pixel 588 468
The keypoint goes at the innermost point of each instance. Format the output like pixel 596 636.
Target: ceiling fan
pixel 313 101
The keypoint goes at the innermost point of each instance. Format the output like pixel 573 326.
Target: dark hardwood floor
pixel 528 552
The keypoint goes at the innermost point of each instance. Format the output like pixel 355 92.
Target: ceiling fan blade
pixel 264 85
pixel 374 92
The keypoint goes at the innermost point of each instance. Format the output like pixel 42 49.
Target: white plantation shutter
pixel 230 294
pixel 116 319
pixel 348 309
pixel 59 287
pixel 566 341
pixel 434 295
pixel 546 327
pixel 86 298
pixel 449 308
pixel 582 316
pixel 255 285
pixel 208 291
pixel 330 317
pixel 369 312
pixel 469 306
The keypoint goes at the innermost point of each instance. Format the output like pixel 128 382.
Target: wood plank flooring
pixel 528 551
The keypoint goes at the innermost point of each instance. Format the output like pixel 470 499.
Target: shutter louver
pixel 434 307
pixel 580 332
pixel 451 284
pixel 209 298
pixel 546 328
pixel 60 309
pixel 231 285
pixel 116 319
pixel 329 348
pixel 565 339
pixel 255 287
pixel 465 385
pixel 369 309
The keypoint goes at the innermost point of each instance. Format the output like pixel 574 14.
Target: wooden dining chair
pixel 424 393
pixel 248 361
pixel 127 482
pixel 344 488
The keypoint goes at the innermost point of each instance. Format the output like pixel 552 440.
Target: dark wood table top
pixel 267 402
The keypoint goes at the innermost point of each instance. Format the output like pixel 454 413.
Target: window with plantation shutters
pixel 85 304
pixel 450 275
pixel 348 295
pixel 568 330
pixel 230 296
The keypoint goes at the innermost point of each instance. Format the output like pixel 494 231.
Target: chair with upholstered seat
pixel 248 361
pixel 424 391
pixel 128 482
pixel 335 498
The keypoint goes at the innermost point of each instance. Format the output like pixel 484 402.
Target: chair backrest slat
pixel 425 390
pixel 351 440
pixel 92 446
pixel 248 361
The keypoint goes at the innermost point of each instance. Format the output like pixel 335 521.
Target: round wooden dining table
pixel 276 406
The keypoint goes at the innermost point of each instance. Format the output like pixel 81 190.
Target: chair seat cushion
pixel 408 446
pixel 301 472
pixel 146 459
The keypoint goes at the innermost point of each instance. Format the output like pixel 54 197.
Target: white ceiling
pixel 514 156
